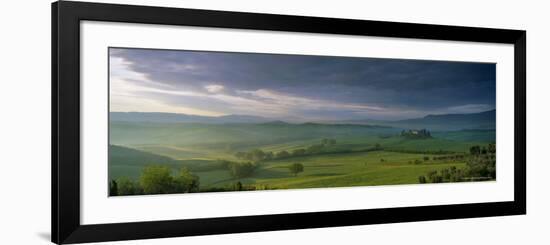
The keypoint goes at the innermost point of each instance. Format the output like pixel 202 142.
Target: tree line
pixel 238 186
pixel 257 155
pixel 239 169
pixel 480 165
pixel 431 152
pixel 457 157
pixel 483 150
pixel 156 179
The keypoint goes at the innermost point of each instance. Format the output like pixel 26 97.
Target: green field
pixel 359 156
pixel 332 170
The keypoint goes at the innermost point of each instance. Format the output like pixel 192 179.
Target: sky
pixel 295 87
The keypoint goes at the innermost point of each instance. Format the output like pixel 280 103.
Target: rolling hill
pixel 128 161
pixel 234 136
pixel 443 122
pixel 125 161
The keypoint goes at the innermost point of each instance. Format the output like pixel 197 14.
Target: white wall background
pixel 25 121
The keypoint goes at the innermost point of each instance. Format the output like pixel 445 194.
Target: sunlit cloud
pixel 214 88
pixel 119 68
pixel 127 103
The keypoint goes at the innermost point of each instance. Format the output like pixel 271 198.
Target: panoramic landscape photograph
pixel 201 121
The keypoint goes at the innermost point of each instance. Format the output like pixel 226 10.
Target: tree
pixel 257 155
pixel 296 168
pixel 314 149
pixel 422 179
pixel 492 148
pixel 328 142
pixel 484 150
pixel 298 152
pixel 186 181
pixel 156 179
pixel 113 188
pixel 240 155
pixel 446 175
pixel 475 150
pixel 238 186
pixel 127 187
pixel 224 163
pixel 241 170
pixel 269 156
pixel 282 154
pixel 433 177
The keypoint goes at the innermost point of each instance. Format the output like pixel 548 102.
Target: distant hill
pixel 276 122
pixel 485 116
pixel 161 117
pixel 443 122
pixel 228 136
pixel 482 120
pixel 241 119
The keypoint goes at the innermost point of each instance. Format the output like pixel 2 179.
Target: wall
pixel 25 123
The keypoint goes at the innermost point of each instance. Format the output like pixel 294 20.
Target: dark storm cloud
pixel 390 84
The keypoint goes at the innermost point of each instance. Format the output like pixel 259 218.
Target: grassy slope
pixel 345 169
pixel 125 161
pixel 349 169
pixel 468 135
pixel 129 162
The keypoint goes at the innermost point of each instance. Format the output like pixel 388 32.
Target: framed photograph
pixel 177 122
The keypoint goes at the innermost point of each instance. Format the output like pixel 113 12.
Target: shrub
pixel 296 168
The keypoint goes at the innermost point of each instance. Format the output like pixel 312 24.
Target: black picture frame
pixel 66 17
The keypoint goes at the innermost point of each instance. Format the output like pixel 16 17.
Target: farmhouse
pixel 416 134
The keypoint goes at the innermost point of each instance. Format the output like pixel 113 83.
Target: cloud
pixel 291 101
pixel 214 88
pixel 126 89
pixel 120 68
pixel 470 108
pixel 131 91
pixel 298 86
